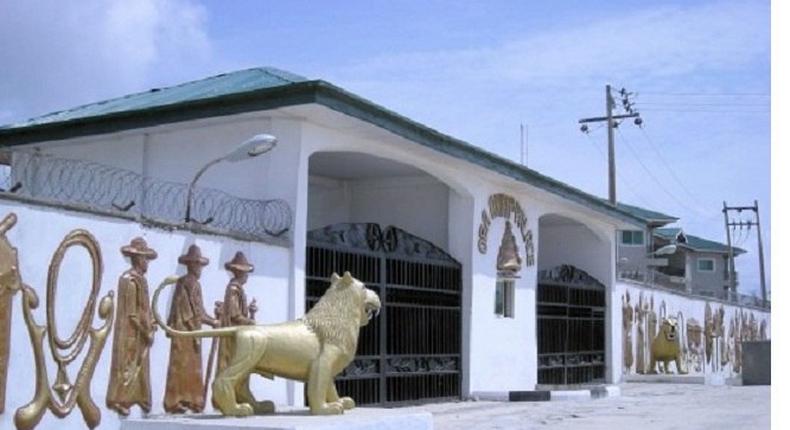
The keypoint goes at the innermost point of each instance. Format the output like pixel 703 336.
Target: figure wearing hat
pixel 184 388
pixel 130 379
pixel 234 309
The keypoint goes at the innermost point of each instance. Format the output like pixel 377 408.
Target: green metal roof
pixel 268 88
pixel 227 83
pixel 696 243
pixel 652 216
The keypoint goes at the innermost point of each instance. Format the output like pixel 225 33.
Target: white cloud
pixel 59 54
pixel 550 79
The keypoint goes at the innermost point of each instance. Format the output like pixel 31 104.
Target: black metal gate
pixel 412 351
pixel 571 327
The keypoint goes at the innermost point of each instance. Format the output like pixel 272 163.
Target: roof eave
pixel 298 93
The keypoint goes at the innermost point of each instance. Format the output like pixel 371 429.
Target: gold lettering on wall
pixel 64 394
pixel 505 206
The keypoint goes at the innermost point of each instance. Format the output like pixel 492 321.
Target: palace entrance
pixel 571 327
pixel 412 351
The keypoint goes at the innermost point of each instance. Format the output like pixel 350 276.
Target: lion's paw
pixel 334 408
pixel 347 403
pixel 240 410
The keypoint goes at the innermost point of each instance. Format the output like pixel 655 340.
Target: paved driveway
pixel 640 407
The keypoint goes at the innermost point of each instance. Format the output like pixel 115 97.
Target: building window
pixel 503 303
pixel 706 265
pixel 632 237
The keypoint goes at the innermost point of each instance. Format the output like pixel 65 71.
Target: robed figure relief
pixel 130 379
pixel 641 317
pixel 234 310
pixel 184 388
pixel 628 323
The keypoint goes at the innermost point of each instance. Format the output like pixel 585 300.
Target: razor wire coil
pixel 115 190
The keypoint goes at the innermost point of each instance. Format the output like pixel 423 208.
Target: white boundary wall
pixel 38 233
pixel 687 307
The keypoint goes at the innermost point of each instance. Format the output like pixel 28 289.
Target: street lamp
pixel 664 250
pixel 253 147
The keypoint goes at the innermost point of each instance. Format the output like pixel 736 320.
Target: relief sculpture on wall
pixel 696 350
pixel 235 311
pixel 130 379
pixel 628 323
pixel 666 348
pixel 647 330
pixel 508 258
pixel 64 393
pixel 10 283
pixel 184 387
pixel 505 206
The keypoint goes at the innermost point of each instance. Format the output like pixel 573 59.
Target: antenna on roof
pixel 524 138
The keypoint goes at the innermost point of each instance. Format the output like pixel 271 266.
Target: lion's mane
pixel 664 348
pixel 335 318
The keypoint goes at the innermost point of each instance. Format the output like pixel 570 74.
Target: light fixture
pixel 252 147
pixel 665 250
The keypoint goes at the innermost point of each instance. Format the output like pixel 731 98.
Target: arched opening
pixel 574 265
pixel 388 223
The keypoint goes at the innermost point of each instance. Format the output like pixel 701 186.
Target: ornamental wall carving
pixel 709 342
pixel 506 207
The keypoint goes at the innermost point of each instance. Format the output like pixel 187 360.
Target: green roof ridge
pixel 162 93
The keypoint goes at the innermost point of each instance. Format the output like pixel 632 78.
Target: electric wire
pixel 693 94
pixel 667 165
pixel 655 179
pixel 639 197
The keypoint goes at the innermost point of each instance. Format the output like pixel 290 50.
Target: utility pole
pixel 611 124
pixel 762 264
pixel 748 225
pixel 730 259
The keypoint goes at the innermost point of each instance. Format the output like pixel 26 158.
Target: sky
pixel 699 71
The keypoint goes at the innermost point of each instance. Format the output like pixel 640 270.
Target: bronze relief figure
pixel 508 258
pixel 235 311
pixel 10 283
pixel 184 387
pixel 628 323
pixel 130 379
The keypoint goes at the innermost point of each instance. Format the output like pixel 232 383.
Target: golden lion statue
pixel 312 349
pixel 666 348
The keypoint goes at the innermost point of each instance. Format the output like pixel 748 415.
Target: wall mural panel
pixel 507 207
pixel 698 339
pixel 64 394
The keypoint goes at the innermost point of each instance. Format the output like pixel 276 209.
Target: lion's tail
pixel 217 332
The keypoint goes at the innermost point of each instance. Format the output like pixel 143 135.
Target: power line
pixel 706 94
pixel 684 104
pixel 655 179
pixel 668 165
pixel 642 200
pixel 705 110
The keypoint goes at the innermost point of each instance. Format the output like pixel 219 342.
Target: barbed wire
pixel 111 189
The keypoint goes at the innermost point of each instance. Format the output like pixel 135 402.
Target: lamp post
pixel 253 147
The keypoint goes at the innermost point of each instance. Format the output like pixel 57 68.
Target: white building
pixel 418 215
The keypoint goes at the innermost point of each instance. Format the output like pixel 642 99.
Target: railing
pixel 654 279
pixel 94 187
pixel 652 276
